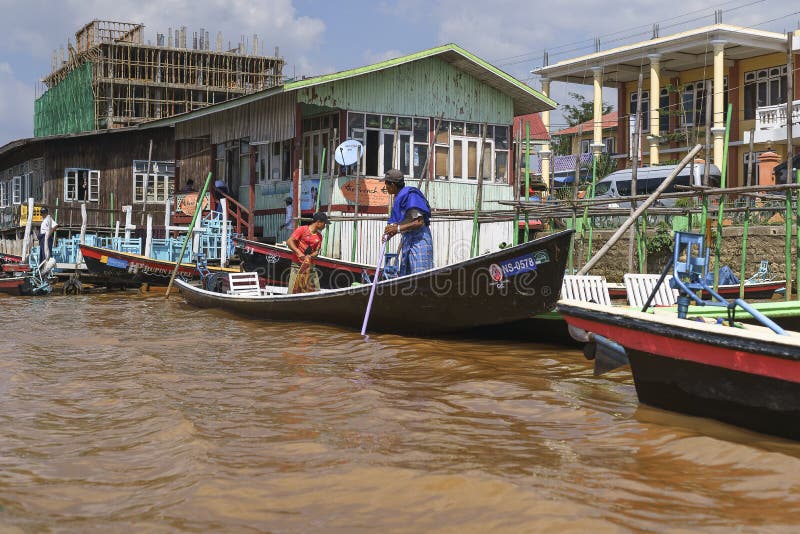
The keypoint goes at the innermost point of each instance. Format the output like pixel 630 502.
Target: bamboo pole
pixel 427 174
pixel 652 198
pixel 179 259
pixel 637 134
pixel 319 186
pixel 517 168
pixel 476 225
pixel 743 269
pixel 723 183
pixel 528 176
pixel 355 212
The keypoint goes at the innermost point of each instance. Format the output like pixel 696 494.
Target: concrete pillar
pixel 655 93
pixel 545 152
pixel 597 138
pixel 718 130
pixel 766 164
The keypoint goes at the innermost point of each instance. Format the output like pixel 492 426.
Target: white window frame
pixel 16 190
pixel 3 194
pixel 586 146
pixel 608 145
pixel 71 179
pixel 161 182
pixel 745 160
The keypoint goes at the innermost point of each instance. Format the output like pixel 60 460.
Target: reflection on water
pixel 121 411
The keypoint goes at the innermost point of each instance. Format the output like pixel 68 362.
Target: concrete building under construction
pixel 111 79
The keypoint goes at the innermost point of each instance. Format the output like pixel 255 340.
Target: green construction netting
pixel 68 107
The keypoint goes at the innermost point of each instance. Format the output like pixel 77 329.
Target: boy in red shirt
pixel 305 242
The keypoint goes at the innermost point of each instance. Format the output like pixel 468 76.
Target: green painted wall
pixel 424 88
pixel 68 107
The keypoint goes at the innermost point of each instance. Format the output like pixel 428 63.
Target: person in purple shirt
pixel 410 217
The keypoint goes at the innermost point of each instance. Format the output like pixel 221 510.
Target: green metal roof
pixel 526 99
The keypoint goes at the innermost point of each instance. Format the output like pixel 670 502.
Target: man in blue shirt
pixel 410 217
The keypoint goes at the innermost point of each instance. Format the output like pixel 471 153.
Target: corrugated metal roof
pixel 526 99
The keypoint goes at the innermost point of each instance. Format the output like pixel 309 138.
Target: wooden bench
pixel 244 284
pixel 586 288
pixel 639 286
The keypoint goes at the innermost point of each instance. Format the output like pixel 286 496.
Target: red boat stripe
pixel 679 349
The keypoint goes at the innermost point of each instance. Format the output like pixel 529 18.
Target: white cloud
pixel 16 106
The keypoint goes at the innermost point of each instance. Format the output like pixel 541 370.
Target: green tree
pixel 579 112
pixel 582 110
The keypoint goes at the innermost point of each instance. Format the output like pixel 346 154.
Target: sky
pixel 322 36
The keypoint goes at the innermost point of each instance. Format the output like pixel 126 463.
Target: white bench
pixel 586 288
pixel 639 286
pixel 244 284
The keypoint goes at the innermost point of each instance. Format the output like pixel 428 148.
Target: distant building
pixel 111 79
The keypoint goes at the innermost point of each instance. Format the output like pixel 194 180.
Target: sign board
pixel 186 203
pixel 309 191
pixel 372 192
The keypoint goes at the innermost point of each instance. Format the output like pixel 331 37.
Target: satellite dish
pixel 348 152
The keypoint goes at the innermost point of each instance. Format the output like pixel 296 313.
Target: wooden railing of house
pixel 240 217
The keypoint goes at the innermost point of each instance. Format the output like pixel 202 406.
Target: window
pixel 81 185
pixel 696 96
pixel 391 142
pixel 765 87
pixel 160 182
pixel 645 110
pixel 272 162
pixel 18 189
pixel 586 146
pixel 663 111
pixel 3 194
pixel 608 147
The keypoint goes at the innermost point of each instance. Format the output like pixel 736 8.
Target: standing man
pixel 288 223
pixel 46 234
pixel 411 217
pixel 220 190
pixel 305 242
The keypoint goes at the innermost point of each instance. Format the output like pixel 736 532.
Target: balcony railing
pixel 771 123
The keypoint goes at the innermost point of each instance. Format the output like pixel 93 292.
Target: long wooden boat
pixel 131 270
pixel 496 288
pixel 746 375
pixel 9 258
pixel 274 262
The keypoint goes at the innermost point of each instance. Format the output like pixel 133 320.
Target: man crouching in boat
pixel 410 217
pixel 305 242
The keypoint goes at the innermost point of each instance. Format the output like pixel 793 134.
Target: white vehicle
pixel 618 184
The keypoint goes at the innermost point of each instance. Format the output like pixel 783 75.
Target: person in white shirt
pixel 288 224
pixel 46 235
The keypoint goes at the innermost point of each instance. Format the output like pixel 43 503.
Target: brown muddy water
pixel 123 412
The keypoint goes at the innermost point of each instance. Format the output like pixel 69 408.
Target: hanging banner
pixel 371 192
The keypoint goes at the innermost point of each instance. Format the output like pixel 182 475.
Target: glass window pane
pixel 443 135
pixel 472 160
pixel 405 154
pixel 442 169
pixel 355 120
pixel 420 159
pixel 473 129
pixel 404 123
pixel 501 137
pixel 389 122
pixel 458 128
pixel 315 124
pixel 458 164
pixel 501 167
pixel 486 162
pixel 373 121
pixel 421 130
pixel 388 152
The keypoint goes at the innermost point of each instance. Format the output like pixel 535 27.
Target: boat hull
pixel 116 268
pixel 17 286
pixel 706 370
pixel 755 291
pixel 273 263
pixel 494 289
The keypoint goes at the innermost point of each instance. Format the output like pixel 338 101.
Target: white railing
pixel 771 122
